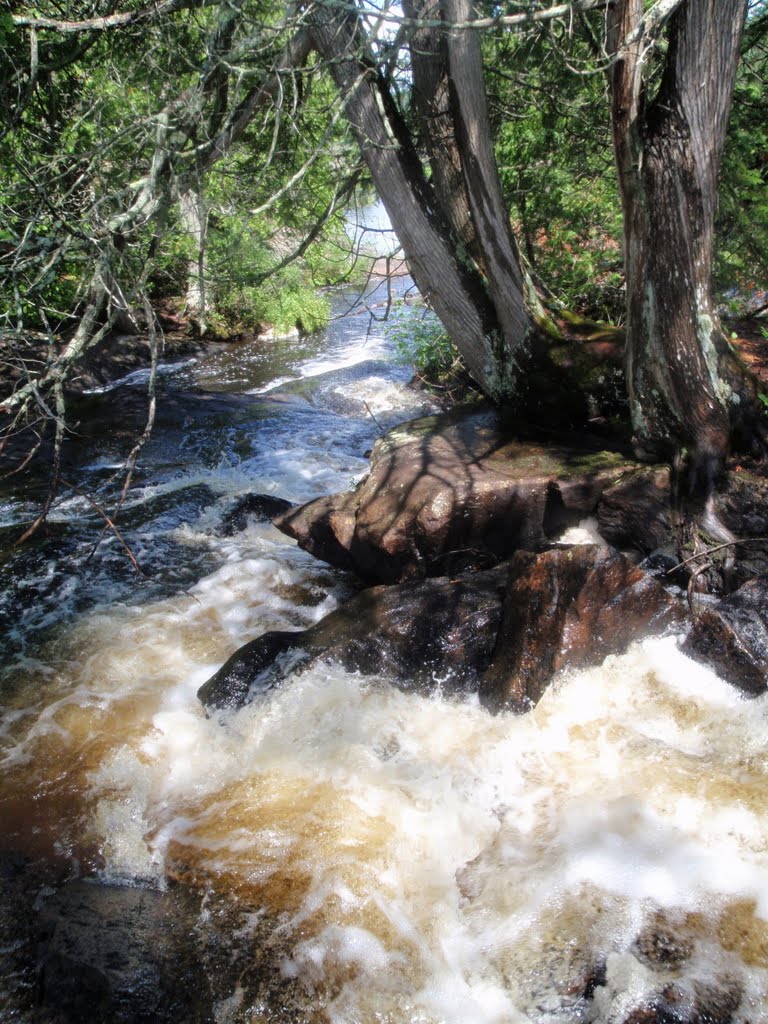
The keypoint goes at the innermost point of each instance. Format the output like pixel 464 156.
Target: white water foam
pixel 427 862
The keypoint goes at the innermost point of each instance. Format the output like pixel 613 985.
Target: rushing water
pixel 382 856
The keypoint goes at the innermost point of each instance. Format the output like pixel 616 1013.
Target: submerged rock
pixel 121 954
pixel 450 492
pixel 261 507
pixel 413 634
pixel 732 637
pixel 568 608
pixel 702 1003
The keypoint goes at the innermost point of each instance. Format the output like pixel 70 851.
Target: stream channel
pixel 338 850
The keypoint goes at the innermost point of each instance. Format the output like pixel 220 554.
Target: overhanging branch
pixel 104 24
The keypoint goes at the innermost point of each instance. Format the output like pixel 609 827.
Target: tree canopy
pixel 206 151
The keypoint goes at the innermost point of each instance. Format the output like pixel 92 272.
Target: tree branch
pixel 157 10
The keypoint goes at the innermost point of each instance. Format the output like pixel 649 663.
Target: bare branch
pixel 104 24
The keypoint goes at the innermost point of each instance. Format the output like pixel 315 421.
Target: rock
pixel 709 1003
pixel 743 508
pixel 262 507
pixel 732 637
pixel 636 512
pixel 450 492
pixel 381 631
pixel 664 943
pixel 121 954
pixel 251 664
pixel 568 608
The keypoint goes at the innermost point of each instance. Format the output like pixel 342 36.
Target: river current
pixel 385 856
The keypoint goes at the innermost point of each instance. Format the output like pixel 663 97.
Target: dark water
pixel 287 417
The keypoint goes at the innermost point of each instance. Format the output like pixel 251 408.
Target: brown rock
pixel 732 638
pixel 450 492
pixel 568 608
pixel 413 634
pixel 664 943
pixel 635 513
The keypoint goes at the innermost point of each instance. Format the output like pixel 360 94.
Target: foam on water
pixel 420 859
pixel 397 858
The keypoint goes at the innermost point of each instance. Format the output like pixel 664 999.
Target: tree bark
pixel 194 219
pixel 682 389
pixel 481 306
pixel 432 98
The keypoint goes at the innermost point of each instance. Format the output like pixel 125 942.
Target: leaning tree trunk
pixel 668 152
pixel 449 94
pixel 482 307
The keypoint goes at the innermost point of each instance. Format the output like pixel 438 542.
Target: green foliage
pixel 420 339
pixel 554 150
pixel 279 304
pixel 742 225
pixel 83 134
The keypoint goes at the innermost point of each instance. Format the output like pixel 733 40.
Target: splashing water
pixel 392 857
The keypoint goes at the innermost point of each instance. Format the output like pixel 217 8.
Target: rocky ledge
pixel 465 530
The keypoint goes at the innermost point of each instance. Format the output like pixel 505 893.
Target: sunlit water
pixel 400 858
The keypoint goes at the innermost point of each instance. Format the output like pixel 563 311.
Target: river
pixel 361 854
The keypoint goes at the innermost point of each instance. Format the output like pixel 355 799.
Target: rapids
pixel 382 856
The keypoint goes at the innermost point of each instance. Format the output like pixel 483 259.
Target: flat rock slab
pixel 450 492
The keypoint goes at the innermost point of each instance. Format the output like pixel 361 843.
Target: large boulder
pixel 450 492
pixel 732 637
pixel 569 608
pixel 505 631
pixel 413 634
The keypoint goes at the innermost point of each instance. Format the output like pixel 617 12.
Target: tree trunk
pixel 194 219
pixel 481 306
pixel 668 149
pixel 432 99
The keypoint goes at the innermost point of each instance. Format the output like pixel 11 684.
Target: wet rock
pixel 732 638
pixel 568 608
pixel 450 492
pixel 261 507
pixel 663 944
pixel 414 634
pixel 19 886
pixel 743 505
pixel 665 567
pixel 743 508
pixel 253 663
pixel 120 954
pixel 635 513
pixel 703 1003
pixel 168 510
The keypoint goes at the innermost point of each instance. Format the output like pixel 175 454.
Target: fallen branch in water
pixel 109 525
pixel 711 551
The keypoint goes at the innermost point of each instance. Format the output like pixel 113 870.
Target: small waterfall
pixel 375 855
